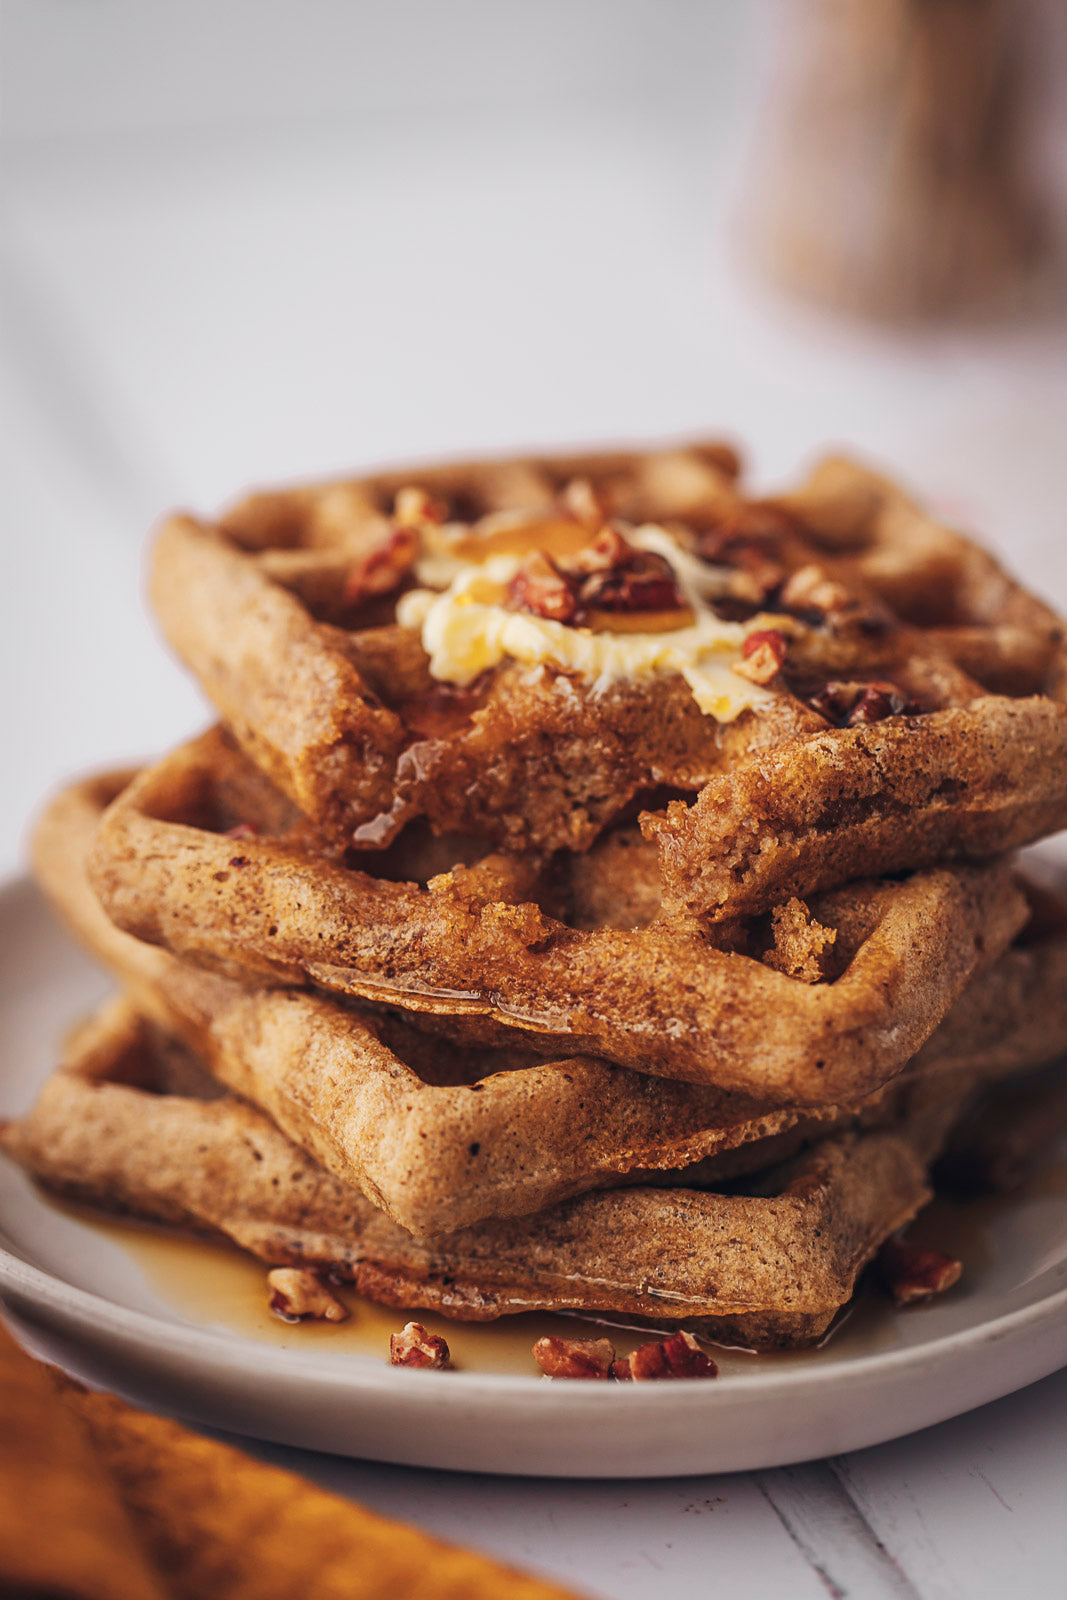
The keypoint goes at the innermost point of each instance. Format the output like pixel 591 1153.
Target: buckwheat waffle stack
pixel 440 1136
pixel 129 1123
pixel 521 650
pixel 598 896
pixel 769 1270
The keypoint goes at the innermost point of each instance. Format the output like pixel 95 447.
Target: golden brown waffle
pixel 441 1137
pixel 437 1136
pixel 336 703
pixel 879 964
pixel 768 1268
pixel 966 756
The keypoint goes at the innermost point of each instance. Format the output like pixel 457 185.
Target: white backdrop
pixel 250 242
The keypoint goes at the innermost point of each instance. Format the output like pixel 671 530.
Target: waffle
pixel 597 898
pixel 287 611
pixel 391 1111
pixel 336 702
pixel 441 1137
pixel 476 942
pixel 984 772
pixel 768 1268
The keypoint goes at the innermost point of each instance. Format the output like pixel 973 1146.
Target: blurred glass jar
pixel 904 167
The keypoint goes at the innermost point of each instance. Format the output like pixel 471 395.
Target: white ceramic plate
pixel 162 1325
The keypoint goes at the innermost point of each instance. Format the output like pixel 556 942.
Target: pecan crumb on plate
pixel 574 1358
pixel 300 1296
pixel 414 1347
pixel 914 1272
pixel 679 1356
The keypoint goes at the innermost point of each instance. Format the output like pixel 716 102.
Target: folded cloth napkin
pixel 102 1502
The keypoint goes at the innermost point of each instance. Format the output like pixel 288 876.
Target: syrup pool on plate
pixel 214 1285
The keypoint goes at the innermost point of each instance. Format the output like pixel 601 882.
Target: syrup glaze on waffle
pixel 910 702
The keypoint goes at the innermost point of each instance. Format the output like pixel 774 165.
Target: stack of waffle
pixel 596 896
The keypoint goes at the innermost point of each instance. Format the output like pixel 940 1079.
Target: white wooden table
pixel 243 248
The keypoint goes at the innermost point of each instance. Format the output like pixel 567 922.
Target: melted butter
pixel 468 628
pixel 215 1285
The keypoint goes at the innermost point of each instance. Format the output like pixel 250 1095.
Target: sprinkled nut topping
pixel 762 655
pixel 582 502
pixel 809 590
pixel 851 705
pixel 384 568
pixel 542 589
pixel 609 575
pixel 756 570
pixel 414 508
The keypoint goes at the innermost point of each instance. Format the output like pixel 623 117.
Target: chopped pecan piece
pixel 241 830
pixel 850 705
pixel 582 502
pixel 609 549
pixel 762 655
pixel 640 581
pixel 414 508
pixel 808 591
pixel 300 1296
pixel 750 546
pixel 542 588
pixel 609 575
pixel 878 701
pixel 574 1358
pixel 414 1347
pixel 914 1272
pixel 811 596
pixel 384 568
pixel 677 1357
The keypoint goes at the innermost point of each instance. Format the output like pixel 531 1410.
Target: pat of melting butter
pixel 468 628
